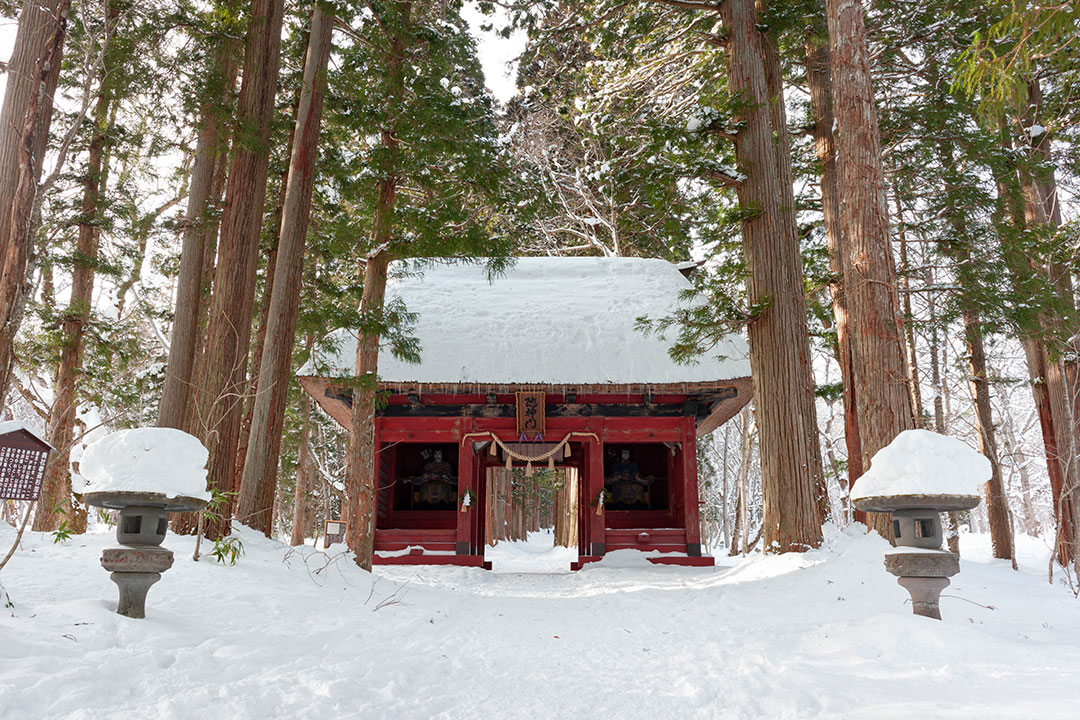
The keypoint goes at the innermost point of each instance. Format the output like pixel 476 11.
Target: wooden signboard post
pixel 22 464
pixel 335 532
pixel 530 413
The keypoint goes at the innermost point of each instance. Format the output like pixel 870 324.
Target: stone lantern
pixel 141 530
pixel 918 476
pixel 145 473
pixel 918 562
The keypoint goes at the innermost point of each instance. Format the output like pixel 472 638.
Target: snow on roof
pixel 547 320
pixel 10 426
pixel 921 462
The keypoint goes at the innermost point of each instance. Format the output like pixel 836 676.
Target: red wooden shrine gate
pixel 444 528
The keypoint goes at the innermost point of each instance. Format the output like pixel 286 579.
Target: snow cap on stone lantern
pixel 924 463
pixel 147 460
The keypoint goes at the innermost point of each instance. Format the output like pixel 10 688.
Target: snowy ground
pixel 538 554
pixel 284 635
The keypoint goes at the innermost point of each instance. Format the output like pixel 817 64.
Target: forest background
pixel 884 198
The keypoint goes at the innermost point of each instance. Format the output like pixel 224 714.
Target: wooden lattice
pixel 21 471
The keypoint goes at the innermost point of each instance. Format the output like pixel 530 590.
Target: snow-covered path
pixel 822 635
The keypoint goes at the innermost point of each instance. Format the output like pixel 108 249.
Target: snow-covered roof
pixel 10 426
pixel 547 320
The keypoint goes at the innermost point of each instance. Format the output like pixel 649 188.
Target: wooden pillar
pixel 465 484
pixel 594 474
pixel 688 466
pixel 377 464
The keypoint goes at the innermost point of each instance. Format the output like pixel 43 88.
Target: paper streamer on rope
pixel 563 446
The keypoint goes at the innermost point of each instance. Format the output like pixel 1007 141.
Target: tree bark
pixel 877 347
pixel 819 81
pixel 360 469
pixel 32 75
pixel 229 330
pixel 199 235
pixel 779 339
pixel 268 414
pixel 1023 203
pixel 264 312
pixel 56 498
pixel 774 83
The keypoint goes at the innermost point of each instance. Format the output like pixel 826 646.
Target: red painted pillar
pixel 383 507
pixel 594 474
pixel 690 488
pixel 465 484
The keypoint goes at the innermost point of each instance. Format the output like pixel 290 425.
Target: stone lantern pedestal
pixel 141 529
pixel 918 562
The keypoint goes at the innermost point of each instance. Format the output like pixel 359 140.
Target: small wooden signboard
pixel 530 413
pixel 22 464
pixel 335 532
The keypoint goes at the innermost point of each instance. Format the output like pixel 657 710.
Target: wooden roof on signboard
pixel 18 434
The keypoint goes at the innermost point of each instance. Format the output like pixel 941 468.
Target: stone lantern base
pixel 134 570
pixel 924 575
pixel 142 525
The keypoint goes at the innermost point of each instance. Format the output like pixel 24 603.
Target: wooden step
pixel 662 539
pixel 461 560
pixel 432 540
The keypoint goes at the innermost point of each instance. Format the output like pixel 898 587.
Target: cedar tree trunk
pixel 32 74
pixel 360 468
pixel 779 339
pixel 56 485
pixel 819 81
pixel 200 232
pixel 268 414
pixel 774 83
pixel 226 354
pixel 877 346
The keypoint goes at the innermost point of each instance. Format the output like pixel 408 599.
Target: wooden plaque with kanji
pixel 22 465
pixel 530 413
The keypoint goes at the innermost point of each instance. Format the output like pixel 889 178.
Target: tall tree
pixel 877 345
pixel 819 82
pixel 200 228
pixel 268 414
pixel 56 505
pixel 224 368
pixel 424 188
pixel 779 339
pixel 32 75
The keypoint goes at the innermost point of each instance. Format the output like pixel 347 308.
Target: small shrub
pixel 228 550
